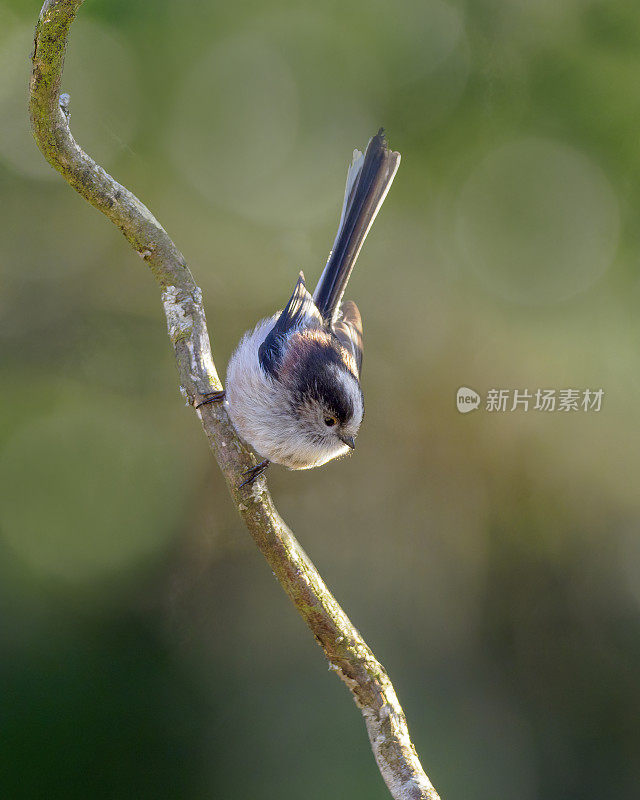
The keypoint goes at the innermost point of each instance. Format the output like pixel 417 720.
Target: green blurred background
pixel 492 561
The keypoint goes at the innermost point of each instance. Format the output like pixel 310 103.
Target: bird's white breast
pixel 261 412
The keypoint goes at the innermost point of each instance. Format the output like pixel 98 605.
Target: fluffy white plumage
pixel 262 413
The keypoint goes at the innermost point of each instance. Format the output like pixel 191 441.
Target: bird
pixel 293 382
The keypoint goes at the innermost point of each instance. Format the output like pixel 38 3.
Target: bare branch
pixel 345 649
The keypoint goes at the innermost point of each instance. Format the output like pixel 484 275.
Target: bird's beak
pixel 349 441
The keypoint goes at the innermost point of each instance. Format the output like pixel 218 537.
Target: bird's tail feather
pixel 368 181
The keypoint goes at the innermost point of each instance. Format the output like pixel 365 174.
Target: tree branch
pixel 347 652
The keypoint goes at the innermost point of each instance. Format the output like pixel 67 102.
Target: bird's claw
pixel 214 397
pixel 254 472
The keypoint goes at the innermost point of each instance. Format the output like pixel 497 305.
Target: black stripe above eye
pixel 314 378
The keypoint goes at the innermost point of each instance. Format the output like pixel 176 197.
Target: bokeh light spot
pixel 537 222
pixel 106 493
pixel 244 129
pixel 260 145
pixel 104 102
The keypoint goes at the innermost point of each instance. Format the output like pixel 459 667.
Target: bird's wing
pixel 348 330
pixel 299 312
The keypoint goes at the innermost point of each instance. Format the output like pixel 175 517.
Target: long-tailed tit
pixel 293 383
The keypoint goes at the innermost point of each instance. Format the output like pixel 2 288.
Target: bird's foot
pixel 214 397
pixel 253 472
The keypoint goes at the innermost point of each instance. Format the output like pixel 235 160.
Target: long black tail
pixel 368 182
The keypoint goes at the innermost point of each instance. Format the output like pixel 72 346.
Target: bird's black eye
pixel 330 421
